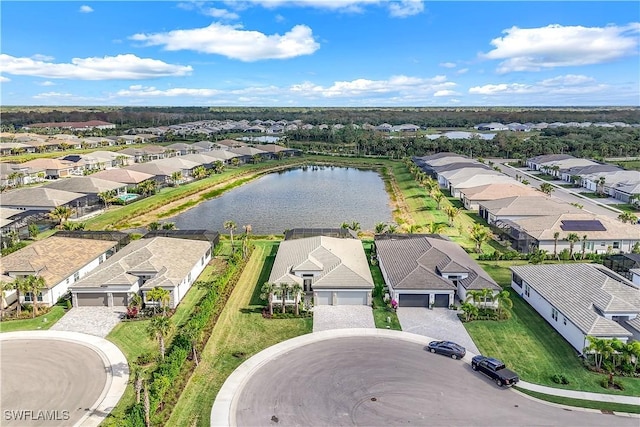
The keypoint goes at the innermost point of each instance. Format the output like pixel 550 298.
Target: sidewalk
pixel 582 395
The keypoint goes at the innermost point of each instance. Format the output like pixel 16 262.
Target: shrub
pixel 146 358
pixel 564 255
pixel 559 379
pixel 68 305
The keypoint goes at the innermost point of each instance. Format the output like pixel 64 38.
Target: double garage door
pixel 422 300
pixel 101 300
pixel 342 298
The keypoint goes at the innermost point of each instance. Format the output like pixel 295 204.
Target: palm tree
pixel 137 375
pixel 633 348
pixel 169 226
pixel 598 347
pixel 355 226
pixel 344 225
pixel 452 213
pixel 601 182
pixel 256 158
pixel 285 288
pixel 584 246
pixel 628 217
pixel 235 161
pixel 475 296
pixel 231 226
pixel 470 311
pixel 176 177
pixel 556 236
pixel 504 301
pixel 33 231
pixel 35 285
pixel 159 328
pixel 479 235
pixel 435 227
pixel 572 238
pixel 199 172
pixel 412 228
pixel 380 227
pixel 392 228
pixel 147 187
pixel 4 287
pixel 21 287
pixel 546 188
pixel 61 214
pixel 105 196
pixel 268 290
pixel 153 226
pixel 278 292
pixel 192 334
pixel 430 184
pixel 135 300
pixel 438 196
pixel 161 296
pixel 297 291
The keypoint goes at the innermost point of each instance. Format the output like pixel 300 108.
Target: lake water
pixel 303 197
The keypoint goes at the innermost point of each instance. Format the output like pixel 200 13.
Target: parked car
pixel 448 348
pixel 494 369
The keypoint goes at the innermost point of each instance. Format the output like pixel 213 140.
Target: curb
pixel 117 379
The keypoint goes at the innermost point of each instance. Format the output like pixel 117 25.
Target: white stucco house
pixel 170 263
pixel 60 261
pixel 580 300
pixel 334 270
pixel 428 270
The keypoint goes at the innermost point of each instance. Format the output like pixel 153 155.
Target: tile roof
pixel 417 263
pixel 543 227
pixel 579 291
pixel 499 191
pixel 84 184
pixel 168 260
pixel 39 197
pixel 342 262
pixel 55 258
pixel 536 205
pixel 124 176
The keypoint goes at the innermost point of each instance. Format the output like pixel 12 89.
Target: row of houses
pixel 526 127
pixel 525 217
pixel 607 179
pixel 106 269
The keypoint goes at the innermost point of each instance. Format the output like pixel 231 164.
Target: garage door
pixel 85 300
pixel 120 299
pixel 442 300
pixel 407 300
pixel 351 298
pixel 323 298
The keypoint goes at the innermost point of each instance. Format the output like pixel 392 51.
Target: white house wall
pixel 568 330
pixel 182 289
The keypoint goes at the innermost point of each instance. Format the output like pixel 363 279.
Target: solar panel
pixel 582 225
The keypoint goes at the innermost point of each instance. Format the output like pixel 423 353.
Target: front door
pixel 307 279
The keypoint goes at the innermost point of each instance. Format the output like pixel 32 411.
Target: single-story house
pixel 161 172
pixel 428 270
pixel 459 183
pixel 473 196
pixel 41 199
pixel 580 300
pixel 334 270
pixel 597 234
pixel 182 148
pixel 146 153
pixel 129 177
pixel 89 185
pixel 16 174
pixel 168 263
pixel 520 207
pixel 246 153
pixel 539 162
pixel 55 168
pixel 60 261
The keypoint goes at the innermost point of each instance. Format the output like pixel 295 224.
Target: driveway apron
pixel 97 321
pixel 327 317
pixel 438 323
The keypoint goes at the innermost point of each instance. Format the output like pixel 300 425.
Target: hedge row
pixel 202 319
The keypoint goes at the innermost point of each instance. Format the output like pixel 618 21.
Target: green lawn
pixel 241 332
pixel 531 347
pixel 381 312
pixel 603 406
pixel 40 323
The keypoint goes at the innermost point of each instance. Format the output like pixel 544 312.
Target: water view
pixel 302 197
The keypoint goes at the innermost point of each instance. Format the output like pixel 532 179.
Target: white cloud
pixel 397 8
pixel 569 84
pixel 446 92
pixel 462 71
pixel 150 91
pixel 85 9
pixel 46 95
pixel 40 57
pixel 221 13
pixel 553 46
pixel 406 8
pixel 234 42
pixel 47 83
pixel 4 79
pixel 365 87
pixel 120 67
pixel 448 64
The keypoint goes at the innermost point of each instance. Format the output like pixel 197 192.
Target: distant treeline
pixel 128 117
pixel 596 143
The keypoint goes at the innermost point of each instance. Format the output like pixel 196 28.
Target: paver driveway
pixel 327 317
pixel 439 323
pixel 98 321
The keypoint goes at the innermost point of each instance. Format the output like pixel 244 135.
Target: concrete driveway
pixel 97 321
pixel 439 323
pixel 327 317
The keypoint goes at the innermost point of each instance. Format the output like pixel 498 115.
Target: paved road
pixel 374 381
pixel 48 375
pixel 439 323
pixel 562 193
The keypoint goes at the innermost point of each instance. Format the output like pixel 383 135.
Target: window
pixel 554 314
pixel 101 259
pixel 76 276
pixel 28 297
pixel 564 320
pixel 616 245
pixel 526 290
pixel 517 279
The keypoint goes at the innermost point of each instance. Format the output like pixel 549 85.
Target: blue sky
pixel 349 53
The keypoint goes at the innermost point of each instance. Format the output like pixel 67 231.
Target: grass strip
pixel 580 403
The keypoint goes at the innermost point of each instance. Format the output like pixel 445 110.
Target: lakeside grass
pixel 40 323
pixel 241 332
